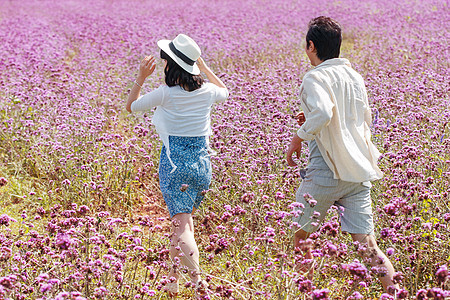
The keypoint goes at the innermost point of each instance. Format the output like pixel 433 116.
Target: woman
pixel 182 119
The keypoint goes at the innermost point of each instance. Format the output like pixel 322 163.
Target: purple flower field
pixel 81 215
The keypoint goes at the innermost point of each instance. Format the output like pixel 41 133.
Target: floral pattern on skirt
pixel 190 155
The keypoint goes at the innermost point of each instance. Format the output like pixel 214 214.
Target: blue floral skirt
pixel 193 168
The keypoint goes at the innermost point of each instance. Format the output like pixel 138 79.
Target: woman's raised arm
pixel 211 76
pixel 146 68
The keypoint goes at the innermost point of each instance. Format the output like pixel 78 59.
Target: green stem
pixel 86 245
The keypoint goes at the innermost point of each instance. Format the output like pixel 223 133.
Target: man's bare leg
pixel 378 258
pixel 299 237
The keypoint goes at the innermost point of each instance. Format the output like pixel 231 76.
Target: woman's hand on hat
pixel 147 67
pixel 209 74
pixel 201 65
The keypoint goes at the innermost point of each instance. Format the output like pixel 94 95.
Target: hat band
pixel 181 55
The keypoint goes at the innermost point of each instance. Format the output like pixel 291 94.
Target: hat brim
pixel 164 46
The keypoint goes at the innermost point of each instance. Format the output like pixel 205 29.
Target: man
pixel 342 159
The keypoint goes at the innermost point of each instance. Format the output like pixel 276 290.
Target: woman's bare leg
pixel 183 245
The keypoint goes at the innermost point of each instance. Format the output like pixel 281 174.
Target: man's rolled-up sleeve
pixel 320 108
pixel 367 111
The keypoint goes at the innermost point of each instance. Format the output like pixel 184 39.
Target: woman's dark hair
pixel 176 75
pixel 326 35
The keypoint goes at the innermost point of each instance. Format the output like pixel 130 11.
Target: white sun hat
pixel 184 51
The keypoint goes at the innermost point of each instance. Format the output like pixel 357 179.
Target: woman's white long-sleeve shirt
pixel 179 112
pixel 338 116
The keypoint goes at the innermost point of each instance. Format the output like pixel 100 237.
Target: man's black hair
pixel 326 35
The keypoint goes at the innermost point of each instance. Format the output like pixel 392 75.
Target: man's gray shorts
pixel 352 200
